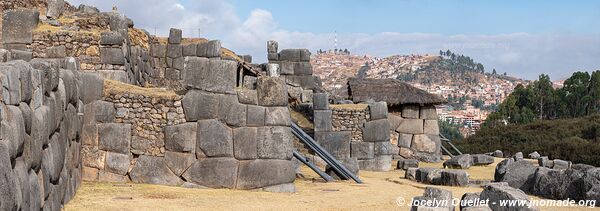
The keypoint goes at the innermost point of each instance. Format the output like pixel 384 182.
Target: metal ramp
pixel 449 142
pixel 340 169
pixel 312 166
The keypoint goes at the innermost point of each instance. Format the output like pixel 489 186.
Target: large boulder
pixel 463 161
pixel 410 126
pixel 262 173
pixel 55 8
pixel 378 110
pixel 214 139
pixel 481 159
pixel 534 155
pixel 558 184
pixel 405 164
pixel 561 164
pixel 117 163
pixel 277 116
pixel 320 101
pixel 91 86
pixel 498 154
pixel 8 180
pixel 113 56
pixel 450 177
pixel 520 174
pixel 518 156
pixel 153 170
pixel 213 172
pixel 433 199
pixel 497 192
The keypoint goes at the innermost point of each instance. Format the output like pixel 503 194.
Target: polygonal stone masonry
pixel 214 139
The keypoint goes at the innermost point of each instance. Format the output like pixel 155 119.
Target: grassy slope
pixel 567 139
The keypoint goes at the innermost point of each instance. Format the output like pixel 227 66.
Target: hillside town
pixel 469 104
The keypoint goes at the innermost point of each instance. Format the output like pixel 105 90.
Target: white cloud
pixel 521 54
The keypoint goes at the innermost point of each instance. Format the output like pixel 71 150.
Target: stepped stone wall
pixel 415 130
pixel 40 133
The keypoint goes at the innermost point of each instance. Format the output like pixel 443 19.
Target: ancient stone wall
pixel 350 117
pixel 416 132
pixel 371 150
pixel 40 162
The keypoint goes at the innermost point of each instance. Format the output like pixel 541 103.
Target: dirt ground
pixel 380 191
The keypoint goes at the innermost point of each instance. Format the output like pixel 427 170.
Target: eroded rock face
pixel 463 161
pixel 153 170
pixel 495 192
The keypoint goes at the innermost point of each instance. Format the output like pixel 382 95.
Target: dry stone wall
pixel 416 132
pixel 40 134
pixel 350 118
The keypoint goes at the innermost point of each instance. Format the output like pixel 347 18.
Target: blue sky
pixel 522 38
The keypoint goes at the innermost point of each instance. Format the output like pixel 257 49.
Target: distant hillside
pixel 576 139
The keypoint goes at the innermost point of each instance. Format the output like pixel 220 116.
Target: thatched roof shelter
pixel 393 92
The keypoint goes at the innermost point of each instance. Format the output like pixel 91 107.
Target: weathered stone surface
pixel 558 184
pixel 245 143
pixel 425 143
pixel 11 85
pixel 272 91
pixel 214 139
pixel 213 172
pixel 277 116
pixel 294 55
pixel 175 36
pixel 411 174
pixel 498 154
pixel 114 137
pixel 199 105
pixel 320 101
pixel 463 161
pixel 384 148
pixel 534 155
pixel 304 81
pixel 99 112
pixel 433 199
pixel 336 143
pixel 153 170
pixel 561 164
pixel 495 192
pixel 303 68
pixel 275 143
pixel 255 116
pixel 378 110
pixel 382 163
pixel 55 8
pixel 89 174
pixel 92 87
pixel 519 174
pixel 210 74
pixel 13 130
pixel 247 96
pixel 272 70
pixel 56 52
pixel 174 51
pixel 181 138
pixel 428 112
pixel 501 168
pixel 190 49
pixel 18 24
pixel 481 159
pixel 286 67
pixel 111 38
pixel 410 111
pixel 231 111
pixel 179 162
pixel 117 163
pixel 376 131
pixel 362 150
pixel 405 164
pixel 272 46
pixel 472 201
pixel 35 192
pixel 112 56
pixel 431 127
pixel 8 180
pixel 405 140
pixel 518 156
pixel 322 120
pixel 410 126
pixel 262 173
pixel 454 178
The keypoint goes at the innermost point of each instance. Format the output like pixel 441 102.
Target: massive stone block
pixel 112 56
pixel 199 105
pixel 55 8
pixel 410 126
pixel 13 130
pixel 8 183
pixel 274 143
pixel 91 86
pixel 209 49
pixel 519 174
pixel 336 143
pixel 261 173
pixel 425 143
pixel 158 51
pixel 428 112
pixel 286 67
pixel 384 148
pixel 255 116
pixel 463 161
pixel 376 131
pixel 117 163
pixel 322 120
pixel 231 111
pixel 211 75
pixel 214 139
pixel 272 91
pixel 362 150
pixel 18 25
pixel 303 68
pixel 320 101
pixel 410 111
pixel 118 21
pixel 378 110
pixel 245 143
pixel 495 192
pixel 272 46
pixel 111 38
pixel 431 127
pixel 174 36
pixel 181 138
pixel 179 162
pixel 114 137
pixel 405 140
pixel 190 49
pixel 304 81
pixel 213 172
pixel 153 170
pixel 174 51
pixel 293 55
pixel 99 112
pixel 247 96
pixel 10 77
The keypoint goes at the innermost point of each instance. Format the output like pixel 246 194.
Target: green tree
pixel 575 94
pixel 543 97
pixel 594 92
